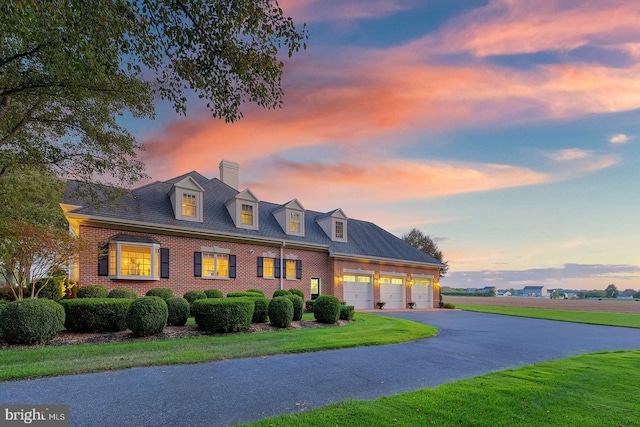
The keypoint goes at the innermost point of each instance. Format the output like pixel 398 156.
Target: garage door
pixel 422 293
pixel 358 290
pixel 392 292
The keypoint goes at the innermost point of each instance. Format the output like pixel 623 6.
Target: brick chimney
pixel 229 173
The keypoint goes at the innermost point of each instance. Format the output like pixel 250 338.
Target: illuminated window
pixel 294 222
pixel 267 267
pixel 247 214
pixel 291 269
pixel 339 230
pixel 189 205
pixel 392 280
pixel 215 265
pixel 134 261
pixel 113 258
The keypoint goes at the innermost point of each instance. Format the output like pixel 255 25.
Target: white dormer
pixel 243 208
pixel 186 200
pixel 334 224
pixel 290 216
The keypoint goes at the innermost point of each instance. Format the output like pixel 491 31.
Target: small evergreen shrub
pixel 298 306
pixel 308 305
pixel 179 310
pixel 3 304
pixel 244 295
pixel 347 312
pixel 147 316
pixel 326 309
pixel 448 305
pixel 223 315
pixel 281 312
pixel 53 288
pixel 261 311
pixel 31 321
pixel 255 291
pixel 297 292
pixel 93 291
pixel 164 293
pixel 95 314
pixel 191 296
pixel 281 293
pixel 122 293
pixel 213 293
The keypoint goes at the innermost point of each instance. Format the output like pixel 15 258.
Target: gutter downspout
pixel 282 266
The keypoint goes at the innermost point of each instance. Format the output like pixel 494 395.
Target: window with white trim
pixel 189 205
pixel 134 261
pixel 294 222
pixel 247 214
pixel 215 265
pixel 290 269
pixel 268 267
pixel 339 230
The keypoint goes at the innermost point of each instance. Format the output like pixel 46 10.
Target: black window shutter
pixel 197 264
pixel 298 269
pixel 232 266
pixel 260 263
pixel 103 260
pixel 164 263
pixel 277 269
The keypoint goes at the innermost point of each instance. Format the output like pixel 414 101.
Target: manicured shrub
pixel 96 314
pixel 122 293
pixel 213 293
pixel 255 291
pixel 93 291
pixel 297 292
pixel 191 296
pixel 298 306
pixel 147 316
pixel 224 315
pixel 261 311
pixel 281 312
pixel 3 304
pixel 281 293
pixel 164 293
pixel 244 295
pixel 53 288
pixel 308 305
pixel 31 321
pixel 179 310
pixel 347 312
pixel 326 309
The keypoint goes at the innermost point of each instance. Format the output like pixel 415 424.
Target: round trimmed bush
pixel 281 293
pixel 191 296
pixel 93 291
pixel 298 306
pixel 31 321
pixel 224 315
pixel 347 312
pixel 53 288
pixel 147 316
pixel 281 312
pixel 244 295
pixel 164 293
pixel 96 314
pixel 3 304
pixel 297 292
pixel 308 305
pixel 326 309
pixel 255 291
pixel 213 293
pixel 261 311
pixel 122 293
pixel 179 310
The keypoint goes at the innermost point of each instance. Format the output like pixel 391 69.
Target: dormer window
pixel 339 230
pixel 334 224
pixel 290 217
pixel 243 208
pixel 294 222
pixel 186 200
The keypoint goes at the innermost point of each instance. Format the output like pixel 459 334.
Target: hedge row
pixel 223 315
pixel 96 314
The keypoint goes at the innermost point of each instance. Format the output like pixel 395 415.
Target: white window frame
pixel 117 263
pixel 216 256
pixel 273 268
pixel 189 197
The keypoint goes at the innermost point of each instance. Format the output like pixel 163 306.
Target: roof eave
pixel 392 261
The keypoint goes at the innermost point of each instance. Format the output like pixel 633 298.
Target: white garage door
pixel 392 292
pixel 422 293
pixel 358 290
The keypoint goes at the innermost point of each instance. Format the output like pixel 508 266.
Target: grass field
pixel 604 305
pixel 593 390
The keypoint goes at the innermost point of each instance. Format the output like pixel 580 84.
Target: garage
pixel 422 292
pixel 392 291
pixel 358 290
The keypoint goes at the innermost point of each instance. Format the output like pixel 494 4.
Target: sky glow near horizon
pixel 507 130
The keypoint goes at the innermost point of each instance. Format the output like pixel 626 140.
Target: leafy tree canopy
pixel 611 291
pixel 70 68
pixel 423 242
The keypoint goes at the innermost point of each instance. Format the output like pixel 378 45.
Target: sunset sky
pixel 507 130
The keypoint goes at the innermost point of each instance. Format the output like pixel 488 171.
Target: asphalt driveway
pixel 236 391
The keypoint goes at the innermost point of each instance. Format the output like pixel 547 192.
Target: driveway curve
pixel 237 391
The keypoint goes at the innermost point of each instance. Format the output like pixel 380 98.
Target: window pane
pixel 267 267
pixel 291 269
pixel 135 260
pixel 113 258
pixel 294 222
pixel 208 264
pixel 188 205
pixel 222 265
pixel 339 230
pixel 247 214
pixel 157 263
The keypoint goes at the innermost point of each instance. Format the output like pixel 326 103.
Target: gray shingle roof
pixel 151 204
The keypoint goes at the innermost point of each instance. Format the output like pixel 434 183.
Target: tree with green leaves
pixel 423 242
pixel 611 291
pixel 70 68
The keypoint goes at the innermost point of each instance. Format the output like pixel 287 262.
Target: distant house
pixel 534 291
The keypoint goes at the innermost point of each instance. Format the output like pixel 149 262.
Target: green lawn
pixel 595 390
pixel 591 317
pixel 366 329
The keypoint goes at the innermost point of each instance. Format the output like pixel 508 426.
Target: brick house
pixel 192 232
